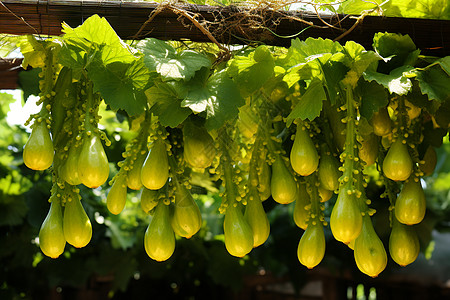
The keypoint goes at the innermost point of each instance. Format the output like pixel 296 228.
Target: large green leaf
pixel 96 30
pixel 121 85
pixel 396 82
pixel 373 97
pixel 219 96
pixel 252 72
pixel 396 50
pixel 310 103
pixel 33 52
pixel 434 80
pixel 162 58
pixel 165 102
pixel 427 9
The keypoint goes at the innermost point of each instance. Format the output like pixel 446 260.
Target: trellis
pixel 226 25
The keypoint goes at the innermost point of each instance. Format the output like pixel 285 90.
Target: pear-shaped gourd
pixel 199 149
pixel 300 209
pixel 38 151
pixel 369 252
pixel 186 218
pixel 410 206
pixel 397 164
pixel 368 151
pixel 304 157
pixel 69 171
pixel 51 234
pixel 430 160
pixel 155 171
pixel 134 181
pixel 282 183
pixel 404 244
pixel 329 172
pixel 93 168
pixel 238 233
pixel 159 239
pixel 346 218
pixel 117 196
pixel 257 219
pixel 247 122
pixel 311 247
pixel 324 193
pixel 77 226
pixel 264 180
pixel 149 199
pixel 381 122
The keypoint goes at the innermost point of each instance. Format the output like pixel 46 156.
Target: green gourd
pixel 304 157
pixel 311 248
pixel 199 149
pixel 159 238
pixel 329 172
pixel 247 122
pixel 324 194
pixel 51 234
pixel 134 181
pixel 369 252
pixel 237 232
pixel 69 171
pixel 264 175
pixel 381 122
pixel 410 206
pixel 155 171
pixel 282 183
pixel 93 168
pixel 186 218
pixel 76 224
pixel 430 160
pixel 257 219
pixel 149 199
pixel 38 151
pixel 300 212
pixel 368 151
pixel 404 244
pixel 397 164
pixel 346 218
pixel 117 196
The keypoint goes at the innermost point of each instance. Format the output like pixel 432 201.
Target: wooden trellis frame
pixel 130 20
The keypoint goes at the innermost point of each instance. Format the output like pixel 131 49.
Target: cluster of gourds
pixel 250 158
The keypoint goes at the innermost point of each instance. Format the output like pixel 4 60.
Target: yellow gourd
pixel 38 151
pixel 159 238
pixel 117 196
pixel 51 234
pixel 186 218
pixel 77 226
pixel 93 168
pixel 397 164
pixel 155 171
pixel 237 232
pixel 404 244
pixel 369 252
pixel 311 248
pixel 257 219
pixel 410 206
pixel 304 157
pixel 282 183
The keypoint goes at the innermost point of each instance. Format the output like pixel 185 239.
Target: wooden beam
pixel 9 73
pixel 44 17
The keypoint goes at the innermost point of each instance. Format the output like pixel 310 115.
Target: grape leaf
pixel 396 82
pixel 310 49
pixel 310 103
pixel 434 81
pixel 396 50
pixel 165 102
pixel 97 30
pixel 252 72
pixel 121 85
pixel 162 58
pixel 219 96
pixel 373 97
pixel 33 52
